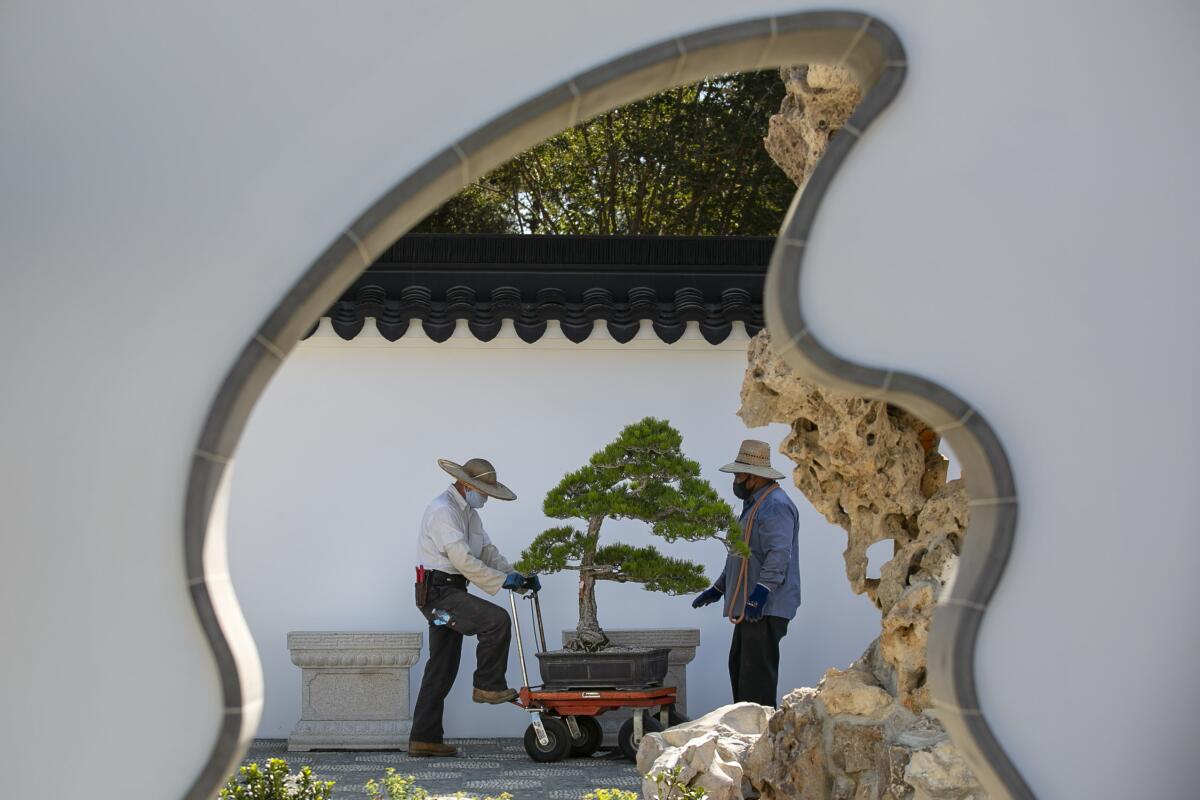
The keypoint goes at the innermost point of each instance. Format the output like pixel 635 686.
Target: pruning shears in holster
pixel 422 586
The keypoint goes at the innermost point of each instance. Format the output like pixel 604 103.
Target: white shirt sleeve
pixel 493 558
pixel 445 530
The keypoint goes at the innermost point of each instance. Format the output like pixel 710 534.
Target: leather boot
pixel 493 696
pixel 431 749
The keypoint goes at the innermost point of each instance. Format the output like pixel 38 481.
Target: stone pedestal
pixel 355 689
pixel 683 643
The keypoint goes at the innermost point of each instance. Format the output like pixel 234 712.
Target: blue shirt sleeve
pixel 773 536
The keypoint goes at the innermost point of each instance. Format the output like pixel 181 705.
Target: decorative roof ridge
pixel 567 250
pixel 670 281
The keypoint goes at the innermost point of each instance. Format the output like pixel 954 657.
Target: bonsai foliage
pixel 642 475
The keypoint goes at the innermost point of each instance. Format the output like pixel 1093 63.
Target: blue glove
pixel 514 581
pixel 708 596
pixel 756 602
pixel 532 582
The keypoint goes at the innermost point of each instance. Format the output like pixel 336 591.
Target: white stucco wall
pixel 337 465
pixel 1026 205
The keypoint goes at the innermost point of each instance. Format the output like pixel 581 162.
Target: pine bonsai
pixel 641 475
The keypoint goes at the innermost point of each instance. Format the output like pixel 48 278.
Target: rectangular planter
pixel 354 693
pixel 682 644
pixel 619 669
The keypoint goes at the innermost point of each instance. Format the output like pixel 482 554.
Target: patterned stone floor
pixel 482 767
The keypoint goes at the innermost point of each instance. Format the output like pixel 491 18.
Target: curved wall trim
pixel 873 54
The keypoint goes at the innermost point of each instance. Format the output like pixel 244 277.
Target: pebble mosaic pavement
pixel 482 767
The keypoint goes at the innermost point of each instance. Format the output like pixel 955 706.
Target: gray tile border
pixel 314 293
pixel 243 385
pixel 874 54
pixel 936 406
pixel 984 553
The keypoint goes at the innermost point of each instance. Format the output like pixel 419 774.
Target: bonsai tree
pixel 642 475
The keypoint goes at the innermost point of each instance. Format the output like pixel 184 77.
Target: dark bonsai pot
pixel 609 669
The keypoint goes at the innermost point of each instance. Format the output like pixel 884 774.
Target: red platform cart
pixel 563 719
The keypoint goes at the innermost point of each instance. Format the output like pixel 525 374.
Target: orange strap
pixel 741 579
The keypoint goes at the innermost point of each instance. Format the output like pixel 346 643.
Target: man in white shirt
pixel 455 550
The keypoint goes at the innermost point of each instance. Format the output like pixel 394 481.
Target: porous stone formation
pixel 818 102
pixel 710 752
pixel 866 732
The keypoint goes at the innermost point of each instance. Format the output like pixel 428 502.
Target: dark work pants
pixel 754 660
pixel 469 616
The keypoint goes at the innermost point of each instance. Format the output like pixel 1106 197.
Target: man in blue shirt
pixel 762 592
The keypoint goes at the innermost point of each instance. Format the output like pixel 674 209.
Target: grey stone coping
pixel 876 58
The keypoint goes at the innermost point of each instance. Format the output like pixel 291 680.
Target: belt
pixel 439 578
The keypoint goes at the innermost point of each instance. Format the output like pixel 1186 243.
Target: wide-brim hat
pixel 754 458
pixel 480 473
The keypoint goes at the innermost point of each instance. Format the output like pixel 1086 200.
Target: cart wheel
pixel 625 736
pixel 590 737
pixel 558 746
pixel 674 717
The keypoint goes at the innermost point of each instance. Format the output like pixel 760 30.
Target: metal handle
pixel 541 627
pixel 512 602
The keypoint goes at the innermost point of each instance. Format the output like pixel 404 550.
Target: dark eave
pixel 485 279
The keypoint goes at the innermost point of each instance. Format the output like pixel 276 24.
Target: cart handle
pixel 540 627
pixel 512 603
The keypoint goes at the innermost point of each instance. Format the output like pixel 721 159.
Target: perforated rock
pixel 875 471
pixel 819 100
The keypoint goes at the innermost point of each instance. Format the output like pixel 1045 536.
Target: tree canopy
pixel 689 161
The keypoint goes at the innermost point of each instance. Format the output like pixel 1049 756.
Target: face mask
pixel 740 490
pixel 475 499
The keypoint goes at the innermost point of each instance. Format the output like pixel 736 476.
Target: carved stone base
pixel 355 689
pixel 683 643
pixel 358 735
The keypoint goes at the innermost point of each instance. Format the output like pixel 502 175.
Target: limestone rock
pixel 853 692
pixel 864 464
pixel 905 640
pixel 788 761
pixel 819 100
pixel 710 751
pixel 874 470
pixel 941 773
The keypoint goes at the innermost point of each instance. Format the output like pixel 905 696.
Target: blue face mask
pixel 475 499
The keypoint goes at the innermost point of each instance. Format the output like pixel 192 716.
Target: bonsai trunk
pixel 589 637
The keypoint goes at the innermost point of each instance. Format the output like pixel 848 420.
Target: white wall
pixel 337 466
pixel 169 170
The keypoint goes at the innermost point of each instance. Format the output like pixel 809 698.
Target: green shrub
pixel 403 787
pixel 275 782
pixel 670 787
pixel 611 794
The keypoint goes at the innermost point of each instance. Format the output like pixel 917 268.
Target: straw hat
pixel 754 459
pixel 480 473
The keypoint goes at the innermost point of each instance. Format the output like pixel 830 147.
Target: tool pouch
pixel 422 588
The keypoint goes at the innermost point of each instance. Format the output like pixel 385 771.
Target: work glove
pixel 532 582
pixel 756 602
pixel 514 581
pixel 707 597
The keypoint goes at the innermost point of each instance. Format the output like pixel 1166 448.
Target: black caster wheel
pixel 674 717
pixel 625 738
pixel 590 736
pixel 554 750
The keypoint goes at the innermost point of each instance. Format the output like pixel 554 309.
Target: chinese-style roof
pixel 438 279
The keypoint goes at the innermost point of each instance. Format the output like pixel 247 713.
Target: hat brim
pixel 753 469
pixel 497 490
